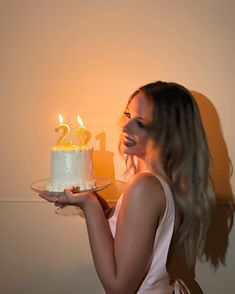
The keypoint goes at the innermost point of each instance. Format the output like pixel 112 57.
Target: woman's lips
pixel 128 142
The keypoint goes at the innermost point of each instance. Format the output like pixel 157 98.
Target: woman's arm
pixel 123 262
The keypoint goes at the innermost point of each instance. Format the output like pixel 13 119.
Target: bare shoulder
pixel 146 183
pixel 145 190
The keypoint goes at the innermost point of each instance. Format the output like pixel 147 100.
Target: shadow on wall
pixel 223 217
pixel 104 167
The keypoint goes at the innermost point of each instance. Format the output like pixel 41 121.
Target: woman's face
pixel 137 118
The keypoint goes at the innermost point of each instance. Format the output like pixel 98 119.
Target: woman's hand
pixel 68 197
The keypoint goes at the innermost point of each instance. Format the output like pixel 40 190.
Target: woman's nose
pixel 127 126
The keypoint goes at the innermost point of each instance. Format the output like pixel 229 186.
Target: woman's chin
pixel 126 150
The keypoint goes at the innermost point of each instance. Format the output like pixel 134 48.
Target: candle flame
pixel 61 118
pixel 80 120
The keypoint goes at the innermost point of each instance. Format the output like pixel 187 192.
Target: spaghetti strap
pixel 180 287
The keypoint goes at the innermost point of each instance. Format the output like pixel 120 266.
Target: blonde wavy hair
pixel 178 135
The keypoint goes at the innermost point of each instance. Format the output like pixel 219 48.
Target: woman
pixel 167 201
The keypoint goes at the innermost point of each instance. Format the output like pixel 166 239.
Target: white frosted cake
pixel 71 166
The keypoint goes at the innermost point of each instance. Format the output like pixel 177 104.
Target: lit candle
pixel 64 129
pixel 82 133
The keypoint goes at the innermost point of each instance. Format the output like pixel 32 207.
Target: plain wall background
pixel 87 57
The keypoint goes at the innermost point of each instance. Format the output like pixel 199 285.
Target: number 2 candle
pixel 64 129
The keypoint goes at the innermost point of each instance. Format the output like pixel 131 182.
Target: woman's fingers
pixel 68 192
pixel 67 197
pixel 57 198
pixel 51 197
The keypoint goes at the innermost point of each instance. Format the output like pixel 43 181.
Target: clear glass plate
pixel 69 210
pixel 101 183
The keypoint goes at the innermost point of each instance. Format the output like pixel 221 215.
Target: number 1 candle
pixel 83 134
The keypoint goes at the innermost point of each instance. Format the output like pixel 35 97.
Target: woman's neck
pixel 142 165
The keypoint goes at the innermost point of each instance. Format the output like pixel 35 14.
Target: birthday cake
pixel 71 166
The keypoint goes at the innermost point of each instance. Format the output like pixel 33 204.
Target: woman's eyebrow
pixel 141 118
pixel 135 117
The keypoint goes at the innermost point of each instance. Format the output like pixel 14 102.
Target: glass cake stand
pixel 70 210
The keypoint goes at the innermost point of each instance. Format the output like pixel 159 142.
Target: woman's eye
pixel 140 124
pixel 127 114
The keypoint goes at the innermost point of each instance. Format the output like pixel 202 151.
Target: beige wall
pixel 87 57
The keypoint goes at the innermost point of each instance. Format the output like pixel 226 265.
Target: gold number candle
pixel 82 133
pixel 64 129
